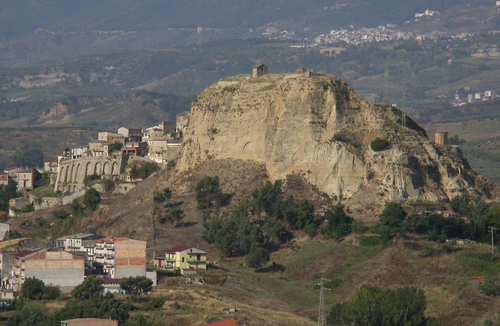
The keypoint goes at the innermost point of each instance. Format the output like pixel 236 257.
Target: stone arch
pixel 88 166
pixel 70 176
pixel 62 175
pixel 75 177
pixel 106 169
pixel 97 169
pixel 114 169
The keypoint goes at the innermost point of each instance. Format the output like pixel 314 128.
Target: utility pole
pixel 492 240
pixel 322 309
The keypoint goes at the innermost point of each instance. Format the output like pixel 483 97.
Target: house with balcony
pixel 117 257
pixel 185 259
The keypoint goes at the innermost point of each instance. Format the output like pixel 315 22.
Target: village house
pixel 99 148
pixel 4 179
pixel 50 165
pixel 110 137
pixel 26 179
pixel 76 242
pixel 52 267
pixel 117 257
pixel 185 259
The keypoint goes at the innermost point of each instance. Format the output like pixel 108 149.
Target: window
pixel 198 257
pixel 182 259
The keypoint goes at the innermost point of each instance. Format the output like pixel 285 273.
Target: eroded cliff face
pixel 316 126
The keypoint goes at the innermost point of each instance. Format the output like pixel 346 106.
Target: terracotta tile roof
pixel 178 249
pixel 24 254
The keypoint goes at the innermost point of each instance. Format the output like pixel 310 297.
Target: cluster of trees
pixel 35 289
pixel 136 285
pixel 258 224
pixel 339 224
pixel 395 220
pixel 145 170
pixel 393 307
pixel 88 302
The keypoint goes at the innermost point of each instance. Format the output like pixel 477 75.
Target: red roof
pixel 25 253
pixel 111 239
pixel 227 322
pixel 11 168
pixel 178 249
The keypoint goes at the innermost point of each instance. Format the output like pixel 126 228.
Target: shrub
pixel 379 144
pixel 340 136
pixel 27 208
pixel 171 164
pixel 25 223
pixel 60 213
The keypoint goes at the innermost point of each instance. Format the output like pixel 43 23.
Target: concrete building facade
pixel 52 267
pixel 118 257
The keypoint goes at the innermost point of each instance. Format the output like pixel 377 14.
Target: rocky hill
pixel 316 126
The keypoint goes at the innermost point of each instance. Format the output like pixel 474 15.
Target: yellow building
pixel 185 259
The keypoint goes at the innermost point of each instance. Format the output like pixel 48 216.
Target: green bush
pixel 27 208
pixel 25 223
pixel 340 136
pixel 379 144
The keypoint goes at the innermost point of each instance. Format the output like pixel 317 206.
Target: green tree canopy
pixel 90 288
pixel 257 257
pixel 91 199
pixel 208 193
pixel 393 215
pixel 136 285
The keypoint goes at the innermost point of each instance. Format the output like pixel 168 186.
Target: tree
pixel 257 257
pixel 338 222
pixel 91 199
pixel 29 315
pixel 90 288
pixel 175 215
pixel 393 215
pixel 372 306
pixel 305 213
pixel 32 289
pixel 136 285
pixel 76 208
pixel 208 193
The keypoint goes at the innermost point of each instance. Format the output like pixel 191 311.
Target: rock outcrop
pixel 315 125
